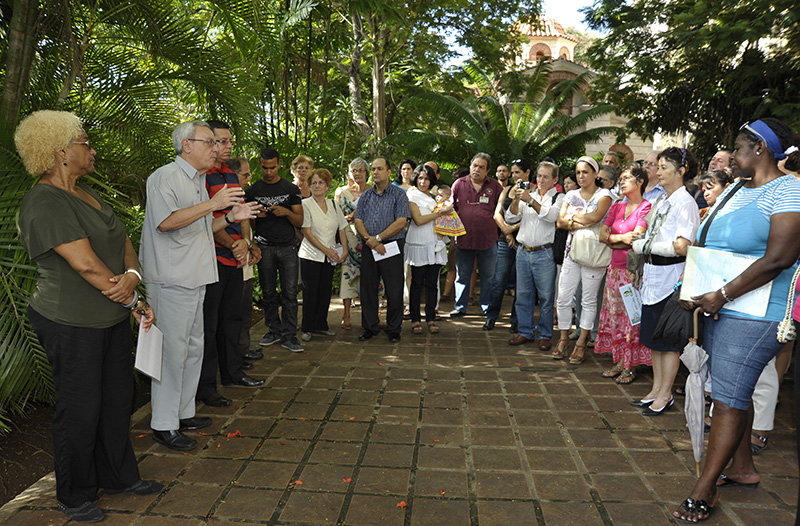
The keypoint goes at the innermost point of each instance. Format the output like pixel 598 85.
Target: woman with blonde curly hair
pixel 80 311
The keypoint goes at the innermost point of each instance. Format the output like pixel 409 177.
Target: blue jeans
pixel 283 261
pixel 503 274
pixel 465 262
pixel 536 270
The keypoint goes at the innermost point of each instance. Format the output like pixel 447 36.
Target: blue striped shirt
pixel 379 210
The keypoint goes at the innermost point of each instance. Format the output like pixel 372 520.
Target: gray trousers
pixel 179 315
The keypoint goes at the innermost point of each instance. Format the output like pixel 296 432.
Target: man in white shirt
pixel 537 209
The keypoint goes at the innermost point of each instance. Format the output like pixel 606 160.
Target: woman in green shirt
pixel 80 311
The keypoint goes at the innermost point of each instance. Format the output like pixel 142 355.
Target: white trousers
pixel 765 398
pixel 179 315
pixel 571 275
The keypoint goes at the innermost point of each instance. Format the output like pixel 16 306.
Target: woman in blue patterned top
pixel 763 220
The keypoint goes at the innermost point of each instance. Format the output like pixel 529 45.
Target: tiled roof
pixel 548 27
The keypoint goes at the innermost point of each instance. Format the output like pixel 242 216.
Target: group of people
pixel 614 228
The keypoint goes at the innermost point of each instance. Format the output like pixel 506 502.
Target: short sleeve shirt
pixel 323 225
pixel 273 230
pixel 50 217
pixel 476 210
pixel 216 180
pixel 184 257
pixel 379 210
pixel 619 224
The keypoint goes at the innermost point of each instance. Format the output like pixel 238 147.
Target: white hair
pixel 186 130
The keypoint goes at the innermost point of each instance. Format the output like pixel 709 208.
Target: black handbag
pixel 676 324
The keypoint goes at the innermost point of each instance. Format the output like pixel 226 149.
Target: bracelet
pixel 133 303
pixel 725 295
pixel 677 286
pixel 228 220
pixel 571 220
pixel 134 271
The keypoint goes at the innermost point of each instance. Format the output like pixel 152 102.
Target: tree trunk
pixel 21 38
pixel 353 73
pixel 380 43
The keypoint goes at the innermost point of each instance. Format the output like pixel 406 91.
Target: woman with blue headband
pixel 761 219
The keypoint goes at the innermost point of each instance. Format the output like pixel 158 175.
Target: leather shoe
pixel 642 403
pixel 246 366
pixel 140 487
pixel 455 313
pixel 488 325
pixel 544 345
pixel 174 440
pixel 394 338
pixel 196 422
pixel 216 400
pixel 652 412
pixel 247 381
pixel 364 336
pixel 518 340
pixel 253 355
pixel 513 328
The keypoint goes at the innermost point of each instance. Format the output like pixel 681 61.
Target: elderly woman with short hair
pixel 80 311
pixel 318 253
pixel 346 198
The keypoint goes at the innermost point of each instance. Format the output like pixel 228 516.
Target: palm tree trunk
pixel 380 42
pixel 21 37
pixel 353 73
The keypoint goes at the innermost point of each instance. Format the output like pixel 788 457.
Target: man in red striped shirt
pixel 222 314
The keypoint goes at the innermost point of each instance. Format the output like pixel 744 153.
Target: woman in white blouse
pixel 669 234
pixel 582 208
pixel 319 253
pixel 425 252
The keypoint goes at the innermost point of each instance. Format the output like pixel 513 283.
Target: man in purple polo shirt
pixel 475 199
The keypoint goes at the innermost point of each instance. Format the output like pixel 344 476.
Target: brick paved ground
pixel 453 429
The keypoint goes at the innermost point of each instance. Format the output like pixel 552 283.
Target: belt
pixel 661 260
pixel 536 249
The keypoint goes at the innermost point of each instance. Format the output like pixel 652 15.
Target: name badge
pixel 484 200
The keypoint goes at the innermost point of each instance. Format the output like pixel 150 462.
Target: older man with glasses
pixel 178 262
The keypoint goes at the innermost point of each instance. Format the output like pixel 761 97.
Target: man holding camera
pixel 475 199
pixel 538 209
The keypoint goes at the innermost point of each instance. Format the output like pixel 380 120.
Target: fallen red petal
pixel 518 364
pixel 441 491
pixel 347 479
pixel 402 504
pixel 298 482
pixel 379 363
pixel 141 436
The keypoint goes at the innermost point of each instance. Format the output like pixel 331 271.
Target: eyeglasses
pixel 627 178
pixel 225 142
pixel 650 164
pixel 86 143
pixel 210 142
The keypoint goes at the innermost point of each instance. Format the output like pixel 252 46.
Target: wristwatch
pixel 378 238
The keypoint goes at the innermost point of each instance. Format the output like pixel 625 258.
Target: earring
pixel 65 163
pixel 758 153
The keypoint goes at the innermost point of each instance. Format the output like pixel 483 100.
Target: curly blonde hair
pixel 41 134
pixel 301 159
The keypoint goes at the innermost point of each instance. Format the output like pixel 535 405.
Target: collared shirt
pixel 682 220
pixel 323 225
pixel 653 194
pixel 537 228
pixel 183 257
pixel 379 210
pixel 216 179
pixel 476 210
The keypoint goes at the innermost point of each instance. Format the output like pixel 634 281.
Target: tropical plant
pixel 533 126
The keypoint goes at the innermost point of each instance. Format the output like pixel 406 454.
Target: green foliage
pixel 703 66
pixel 452 131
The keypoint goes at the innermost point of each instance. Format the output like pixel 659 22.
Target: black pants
pixel 93 379
pixel 247 315
pixel 391 270
pixel 317 281
pixel 222 325
pixel 429 274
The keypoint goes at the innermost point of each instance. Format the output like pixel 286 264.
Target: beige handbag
pixel 786 329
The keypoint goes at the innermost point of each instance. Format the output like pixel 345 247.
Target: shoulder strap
pixel 735 189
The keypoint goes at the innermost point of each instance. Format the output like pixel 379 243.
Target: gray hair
pixel 548 164
pixel 614 154
pixel 358 161
pixel 610 170
pixel 485 157
pixel 186 130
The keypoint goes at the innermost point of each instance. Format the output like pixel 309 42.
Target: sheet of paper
pixel 708 269
pixel 392 249
pixel 339 250
pixel 632 300
pixel 247 272
pixel 148 352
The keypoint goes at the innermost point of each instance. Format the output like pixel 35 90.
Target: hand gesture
pixel 227 197
pixel 279 211
pixel 122 291
pixel 255 254
pixel 243 211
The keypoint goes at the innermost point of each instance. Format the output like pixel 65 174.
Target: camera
pixel 525 185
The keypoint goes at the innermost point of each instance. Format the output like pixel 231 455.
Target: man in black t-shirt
pixel 275 236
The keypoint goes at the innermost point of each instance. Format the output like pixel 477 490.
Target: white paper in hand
pixel 148 352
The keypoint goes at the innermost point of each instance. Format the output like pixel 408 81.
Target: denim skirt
pixel 738 349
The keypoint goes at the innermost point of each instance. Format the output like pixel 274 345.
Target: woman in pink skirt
pixel 624 223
